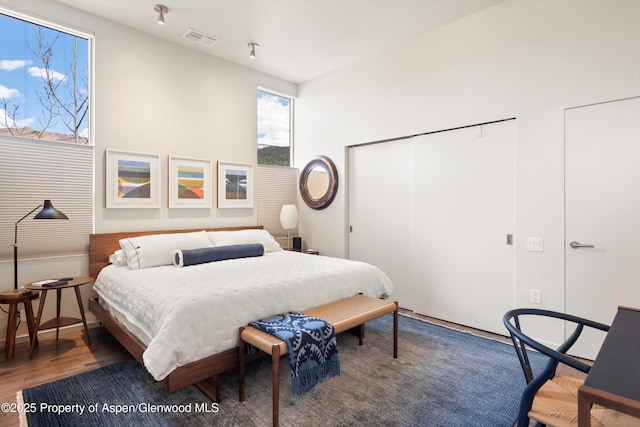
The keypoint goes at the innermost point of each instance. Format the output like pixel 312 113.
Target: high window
pixel 46 149
pixel 44 81
pixel 275 118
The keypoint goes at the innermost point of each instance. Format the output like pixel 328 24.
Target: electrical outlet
pixel 23 314
pixel 535 296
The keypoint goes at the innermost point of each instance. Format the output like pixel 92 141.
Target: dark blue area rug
pixel 443 377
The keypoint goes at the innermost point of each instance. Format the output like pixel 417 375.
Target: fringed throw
pixel 312 346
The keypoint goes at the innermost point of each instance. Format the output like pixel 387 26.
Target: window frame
pixel 74 31
pixel 291 122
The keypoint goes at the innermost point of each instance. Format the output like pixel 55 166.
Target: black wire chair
pixel 555 395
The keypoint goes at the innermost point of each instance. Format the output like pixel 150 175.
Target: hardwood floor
pixel 54 360
pixel 70 356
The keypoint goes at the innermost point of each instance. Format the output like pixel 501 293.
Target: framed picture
pixel 235 185
pixel 189 182
pixel 132 180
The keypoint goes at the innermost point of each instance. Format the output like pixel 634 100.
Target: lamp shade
pixel 49 212
pixel 289 217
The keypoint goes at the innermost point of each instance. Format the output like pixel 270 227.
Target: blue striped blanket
pixel 312 346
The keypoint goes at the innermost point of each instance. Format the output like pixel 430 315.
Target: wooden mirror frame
pixel 332 187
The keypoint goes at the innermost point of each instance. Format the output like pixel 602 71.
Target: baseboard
pixel 51 332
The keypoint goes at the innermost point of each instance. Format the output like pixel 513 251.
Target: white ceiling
pixel 299 39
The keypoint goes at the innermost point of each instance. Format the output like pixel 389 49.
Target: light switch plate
pixel 535 244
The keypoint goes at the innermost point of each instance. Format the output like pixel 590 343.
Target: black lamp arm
pixel 15 236
pixel 15 248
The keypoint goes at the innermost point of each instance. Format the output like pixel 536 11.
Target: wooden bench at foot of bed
pixel 345 314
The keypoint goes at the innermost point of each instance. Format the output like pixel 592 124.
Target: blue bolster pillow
pixel 185 257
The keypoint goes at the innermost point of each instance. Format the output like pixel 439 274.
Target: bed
pixel 182 323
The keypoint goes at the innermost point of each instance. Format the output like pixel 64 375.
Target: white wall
pixel 155 97
pixel 523 58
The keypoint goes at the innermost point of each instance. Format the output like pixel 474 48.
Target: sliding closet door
pixel 380 211
pixel 464 207
pixel 434 213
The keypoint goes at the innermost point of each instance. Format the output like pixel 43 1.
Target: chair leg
pixel 395 332
pixel 275 380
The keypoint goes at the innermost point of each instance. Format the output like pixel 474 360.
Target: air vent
pixel 200 37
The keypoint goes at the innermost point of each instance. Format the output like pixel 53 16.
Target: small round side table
pixel 14 299
pixel 60 321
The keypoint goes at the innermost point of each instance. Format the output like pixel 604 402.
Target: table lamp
pixel 289 220
pixel 47 212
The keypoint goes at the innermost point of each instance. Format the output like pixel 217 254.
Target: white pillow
pixel 243 237
pixel 118 258
pixel 157 249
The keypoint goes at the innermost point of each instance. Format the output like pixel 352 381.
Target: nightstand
pixel 59 321
pixel 14 299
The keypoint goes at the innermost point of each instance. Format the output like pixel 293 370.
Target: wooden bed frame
pixel 203 373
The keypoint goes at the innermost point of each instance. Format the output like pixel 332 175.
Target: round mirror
pixel 319 182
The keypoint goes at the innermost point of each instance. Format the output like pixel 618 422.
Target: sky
pixel 21 72
pixel 273 120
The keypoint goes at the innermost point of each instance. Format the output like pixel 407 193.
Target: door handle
pixel 578 245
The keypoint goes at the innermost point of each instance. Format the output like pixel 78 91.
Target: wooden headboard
pixel 102 245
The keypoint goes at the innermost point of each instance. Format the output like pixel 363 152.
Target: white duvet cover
pixel 185 314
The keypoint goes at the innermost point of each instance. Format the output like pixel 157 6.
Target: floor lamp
pixel 48 212
pixel 288 220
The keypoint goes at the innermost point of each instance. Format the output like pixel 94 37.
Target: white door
pixel 602 198
pixel 434 213
pixel 464 208
pixel 380 213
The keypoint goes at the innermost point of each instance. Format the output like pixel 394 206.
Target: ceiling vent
pixel 200 37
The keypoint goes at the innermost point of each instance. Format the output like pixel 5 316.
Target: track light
pixel 253 47
pixel 161 9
